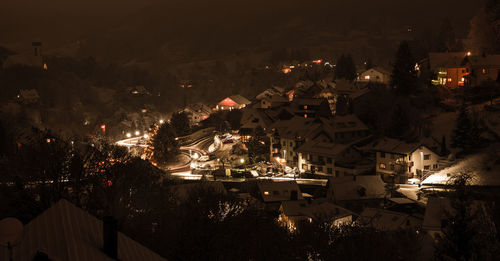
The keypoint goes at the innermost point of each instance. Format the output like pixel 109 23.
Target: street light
pixel 146 135
pixel 129 135
pixel 162 121
pixel 242 160
pixel 137 133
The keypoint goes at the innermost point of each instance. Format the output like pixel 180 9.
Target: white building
pixel 402 160
pixel 377 74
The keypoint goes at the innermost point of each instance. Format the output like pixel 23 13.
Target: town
pixel 292 153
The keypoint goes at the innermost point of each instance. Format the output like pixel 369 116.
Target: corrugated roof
pixel 66 232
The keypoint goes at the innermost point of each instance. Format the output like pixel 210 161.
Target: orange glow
pixel 305 115
pixel 317 61
pixel 103 128
pixel 286 70
pixel 228 102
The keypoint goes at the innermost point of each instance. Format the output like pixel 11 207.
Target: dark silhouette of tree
pixel 446 41
pixel 444 149
pixel 163 145
pixel 345 68
pixel 468 233
pixel 466 133
pixel 180 123
pixel 404 76
pixel 234 119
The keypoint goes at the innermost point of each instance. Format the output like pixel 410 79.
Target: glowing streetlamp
pixel 128 135
pixel 137 133
pixel 242 160
pixel 146 136
pixel 162 121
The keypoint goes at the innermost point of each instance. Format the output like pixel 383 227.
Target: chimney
pixel 110 237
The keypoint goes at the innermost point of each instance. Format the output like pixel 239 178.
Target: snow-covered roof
pixel 275 191
pixel 66 232
pixel 484 171
pixel 392 146
pixel 239 99
pixel 356 187
pixel 302 208
pixel 446 60
pixel 385 220
pixel 324 148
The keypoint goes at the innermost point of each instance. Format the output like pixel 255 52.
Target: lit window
pixel 463 79
pixel 305 107
pixel 484 71
pixel 382 165
pixel 367 77
pixel 449 79
pixel 266 193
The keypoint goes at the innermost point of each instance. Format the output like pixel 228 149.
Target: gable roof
pixel 446 60
pixel 387 220
pixel 66 232
pixel 274 191
pixel 324 148
pixel 356 187
pixel 239 99
pixel 302 208
pixel 392 146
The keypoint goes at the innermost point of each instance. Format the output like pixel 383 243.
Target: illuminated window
pixel 382 165
pixel 367 77
pixel 449 79
pixel 463 79
pixel 305 107
pixel 266 193
pixel 305 115
pixel 484 71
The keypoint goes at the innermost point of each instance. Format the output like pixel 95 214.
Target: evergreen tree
pixel 404 76
pixel 466 133
pixel 444 150
pixel 163 144
pixel 345 68
pixel 446 41
pixel 180 123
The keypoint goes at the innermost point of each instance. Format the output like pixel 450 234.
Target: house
pixel 66 232
pixel 289 135
pixel 294 212
pixel 311 107
pixel 376 74
pixel 266 102
pixel 30 59
pixel 182 192
pixel 197 112
pixel 233 102
pixel 28 96
pixel 274 191
pixel 319 157
pixel 363 187
pixel 386 220
pixel 252 119
pixel 401 161
pixel 457 69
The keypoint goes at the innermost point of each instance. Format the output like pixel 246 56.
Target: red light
pixel 110 183
pixel 103 128
pixel 305 115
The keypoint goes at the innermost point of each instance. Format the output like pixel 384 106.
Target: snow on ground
pixel 484 168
